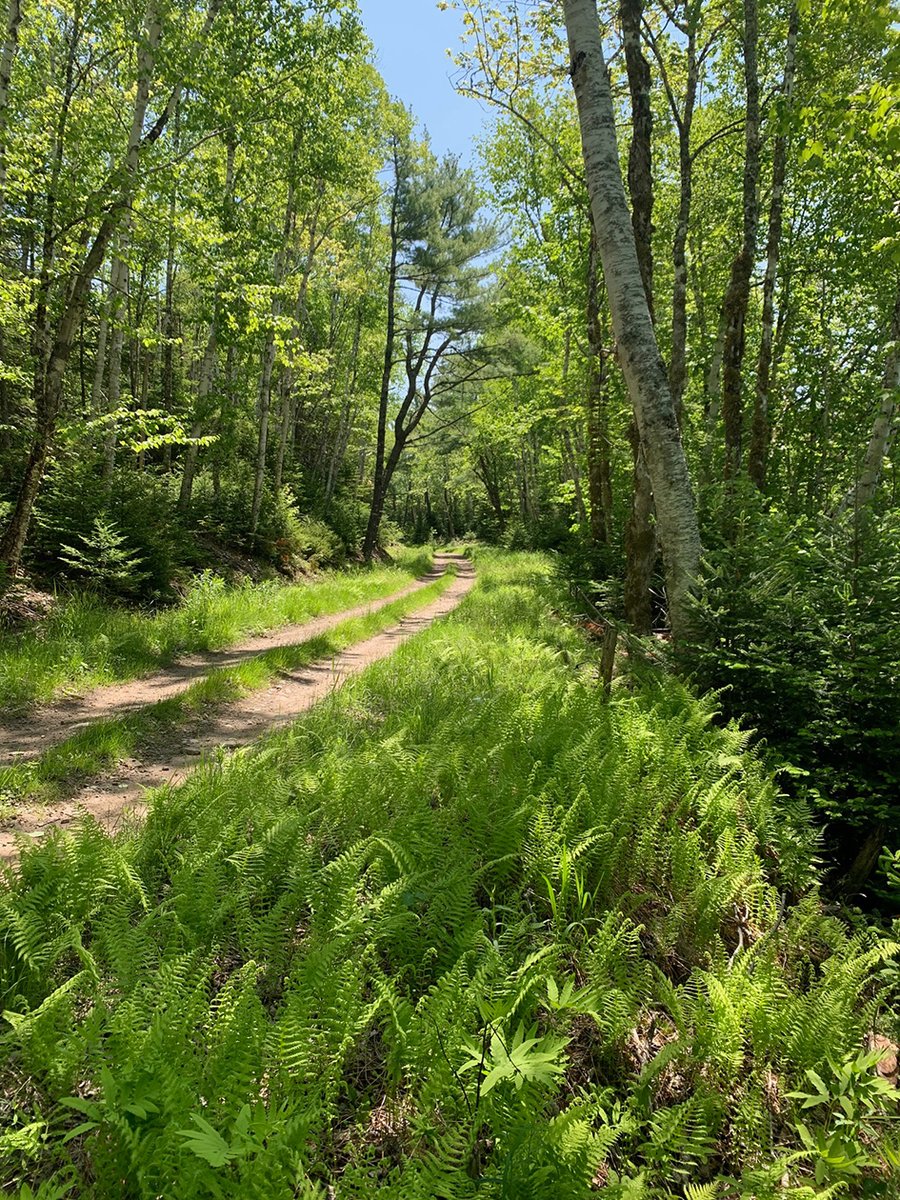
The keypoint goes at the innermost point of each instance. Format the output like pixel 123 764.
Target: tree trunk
pixel 378 488
pixel 286 417
pixel 573 470
pixel 119 285
pixel 264 401
pixel 757 462
pixel 226 394
pixel 678 358
pixel 737 297
pixel 865 860
pixel 97 404
pixel 380 492
pixel 169 325
pixel 640 151
pixel 641 546
pixel 262 438
pixel 599 467
pixel 642 365
pixel 192 452
pixel 713 380
pixel 487 473
pixel 863 492
pixel 7 56
pixel 640 533
pixel 347 415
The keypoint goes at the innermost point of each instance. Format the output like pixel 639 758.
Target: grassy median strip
pixel 106 743
pixel 85 642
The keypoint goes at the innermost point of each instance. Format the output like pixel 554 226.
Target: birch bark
pixel 863 492
pixel 642 365
pixel 757 462
pixel 737 297
pixel 640 533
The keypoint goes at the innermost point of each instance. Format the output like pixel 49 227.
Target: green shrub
pixel 104 561
pixel 139 506
pixel 299 539
pixel 796 628
pixel 286 537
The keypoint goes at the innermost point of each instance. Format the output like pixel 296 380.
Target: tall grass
pixel 466 930
pixel 86 642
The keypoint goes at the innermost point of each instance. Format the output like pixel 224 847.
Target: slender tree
pixel 737 298
pixel 437 242
pixel 757 462
pixel 642 364
pixel 863 491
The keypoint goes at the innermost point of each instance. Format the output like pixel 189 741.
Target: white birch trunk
pixel 759 441
pixel 642 365
pixel 863 493
pixel 204 388
pixel 100 356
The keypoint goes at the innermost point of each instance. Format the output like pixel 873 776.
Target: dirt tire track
pixel 28 737
pixel 120 795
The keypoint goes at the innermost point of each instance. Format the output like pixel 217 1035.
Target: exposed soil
pixel 22 605
pixel 29 736
pixel 120 794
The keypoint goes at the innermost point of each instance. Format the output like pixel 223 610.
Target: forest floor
pixel 469 927
pixel 169 757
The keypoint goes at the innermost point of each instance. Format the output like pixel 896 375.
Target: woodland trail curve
pixel 119 794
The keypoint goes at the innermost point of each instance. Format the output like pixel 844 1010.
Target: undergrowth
pixel 466 930
pixel 86 641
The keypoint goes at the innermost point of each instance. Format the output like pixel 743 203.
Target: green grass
pixel 464 931
pixel 104 743
pixel 85 642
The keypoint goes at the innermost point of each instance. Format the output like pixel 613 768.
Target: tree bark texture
pixel 642 365
pixel 640 151
pixel 640 533
pixel 757 462
pixel 737 297
pixel 7 58
pixel 863 493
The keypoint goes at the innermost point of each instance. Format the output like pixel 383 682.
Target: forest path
pixel 29 736
pixel 120 794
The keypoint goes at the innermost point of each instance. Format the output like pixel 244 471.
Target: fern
pixel 463 931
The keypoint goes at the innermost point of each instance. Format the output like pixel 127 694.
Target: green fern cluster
pixel 467 930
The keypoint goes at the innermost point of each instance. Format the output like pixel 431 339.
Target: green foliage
pixel 302 539
pixel 467 929
pixel 285 537
pixel 852 1102
pixel 104 561
pixel 796 630
pixel 137 508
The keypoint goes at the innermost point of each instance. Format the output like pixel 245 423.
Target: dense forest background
pixel 245 309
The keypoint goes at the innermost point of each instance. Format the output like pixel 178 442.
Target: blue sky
pixel 411 39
